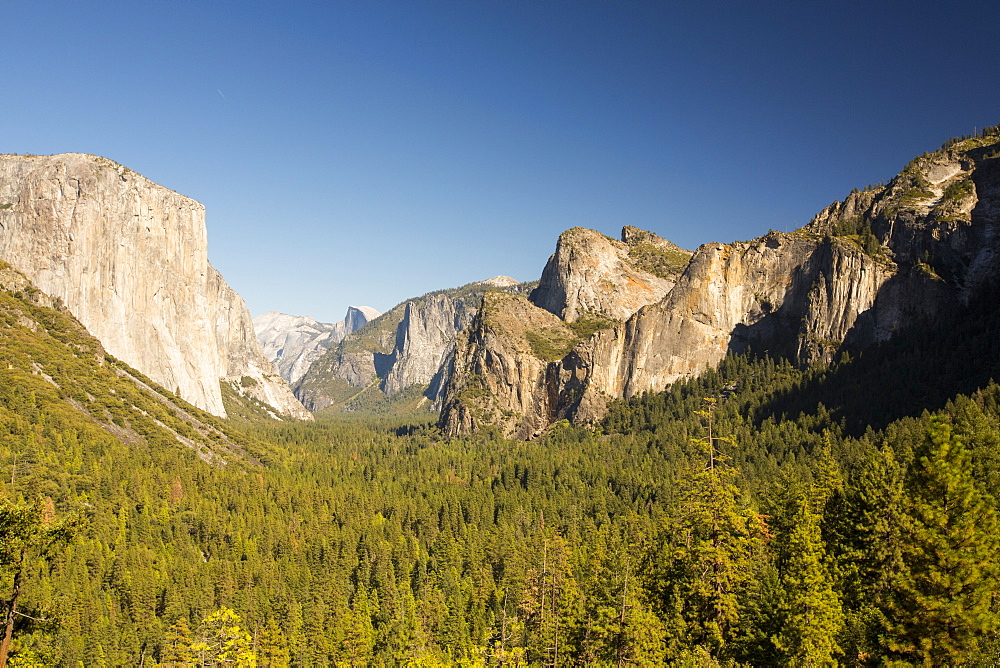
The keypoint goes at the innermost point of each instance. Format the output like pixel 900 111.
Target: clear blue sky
pixel 354 152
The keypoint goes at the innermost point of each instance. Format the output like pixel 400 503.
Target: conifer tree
pixel 867 549
pixel 359 639
pixel 177 645
pixel 710 560
pixel 549 593
pixel 811 610
pixel 943 605
pixel 272 648
pixel 27 533
pixel 221 641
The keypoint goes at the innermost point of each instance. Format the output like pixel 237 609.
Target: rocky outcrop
pixel 294 342
pixel 883 260
pixel 782 293
pixel 498 373
pixel 403 347
pixel 128 258
pixel 357 317
pixel 791 295
pixel 352 364
pixel 514 354
pixel 501 282
pixel 939 215
pixel 593 274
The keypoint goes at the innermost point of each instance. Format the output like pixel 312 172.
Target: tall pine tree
pixel 811 611
pixel 944 606
pixel 710 554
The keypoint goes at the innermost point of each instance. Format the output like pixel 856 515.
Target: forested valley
pixel 761 514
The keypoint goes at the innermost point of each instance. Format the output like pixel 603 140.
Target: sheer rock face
pixel 511 368
pixel 788 294
pixel 294 342
pixel 129 260
pixel 941 214
pixel 357 317
pixel 424 336
pixel 592 273
pixel 880 261
pixel 793 296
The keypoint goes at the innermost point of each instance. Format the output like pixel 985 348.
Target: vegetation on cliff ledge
pixel 662 262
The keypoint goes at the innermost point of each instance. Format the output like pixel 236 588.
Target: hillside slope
pixel 57 378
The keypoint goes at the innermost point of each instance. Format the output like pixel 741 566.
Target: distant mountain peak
pixel 294 342
pixel 501 282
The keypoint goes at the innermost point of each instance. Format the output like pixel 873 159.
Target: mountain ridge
pixel 404 347
pixel 861 270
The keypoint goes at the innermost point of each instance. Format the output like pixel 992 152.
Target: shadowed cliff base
pixel 920 369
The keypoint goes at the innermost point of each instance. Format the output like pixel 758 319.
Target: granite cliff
pixel 506 368
pixel 590 273
pixel 500 371
pixel 423 337
pixel 884 259
pixel 404 347
pixel 82 394
pixel 294 342
pixel 128 258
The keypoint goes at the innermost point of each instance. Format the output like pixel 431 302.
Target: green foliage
pixel 177 642
pixel 958 190
pixel 859 230
pixel 915 194
pixel 862 525
pixel 662 262
pixel 380 542
pixel 965 142
pixel 810 608
pixel 29 536
pixel 554 343
pixel 272 646
pixel 241 407
pixel 221 641
pixel 708 551
pixel 927 270
pixel 409 403
pixel 588 324
pixel 30 531
pixel 943 603
pixel 550 343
